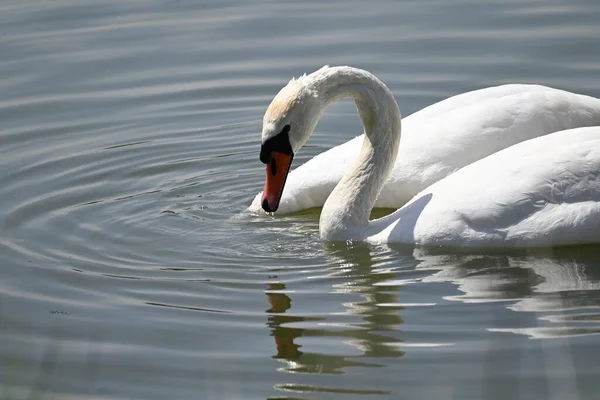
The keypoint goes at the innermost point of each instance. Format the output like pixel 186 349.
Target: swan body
pixel 444 137
pixel 541 192
pixel 538 192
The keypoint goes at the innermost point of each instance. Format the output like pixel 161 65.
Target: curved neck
pixel 349 205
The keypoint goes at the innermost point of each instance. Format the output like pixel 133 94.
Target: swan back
pixel 461 136
pixel 541 192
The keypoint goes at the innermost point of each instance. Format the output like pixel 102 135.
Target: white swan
pixel 544 191
pixel 441 139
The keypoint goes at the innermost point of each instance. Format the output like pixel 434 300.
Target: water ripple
pixel 128 154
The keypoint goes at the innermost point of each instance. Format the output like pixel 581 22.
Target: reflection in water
pixel 372 335
pixel 284 337
pixel 563 284
pixel 543 294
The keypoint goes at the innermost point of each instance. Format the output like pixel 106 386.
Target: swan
pixel 442 138
pixel 539 192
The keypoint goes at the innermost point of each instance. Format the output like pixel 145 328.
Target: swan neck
pixel 346 212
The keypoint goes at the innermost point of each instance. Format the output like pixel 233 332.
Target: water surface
pixel 129 141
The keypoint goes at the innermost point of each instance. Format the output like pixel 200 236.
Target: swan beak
pixel 277 172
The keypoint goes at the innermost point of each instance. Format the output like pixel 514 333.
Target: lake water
pixel 129 139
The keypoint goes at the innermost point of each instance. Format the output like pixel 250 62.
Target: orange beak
pixel 277 172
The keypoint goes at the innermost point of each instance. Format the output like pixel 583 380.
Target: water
pixel 129 141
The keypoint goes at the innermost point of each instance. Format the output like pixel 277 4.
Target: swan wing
pixel 431 151
pixel 541 192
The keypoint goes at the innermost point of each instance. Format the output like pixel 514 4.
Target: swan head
pixel 289 121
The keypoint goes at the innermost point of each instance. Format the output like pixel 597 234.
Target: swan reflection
pixel 372 331
pixel 470 310
pixel 563 285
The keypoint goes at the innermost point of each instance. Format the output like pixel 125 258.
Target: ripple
pixel 128 156
pixel 308 389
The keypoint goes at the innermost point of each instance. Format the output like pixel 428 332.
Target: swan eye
pixel 279 143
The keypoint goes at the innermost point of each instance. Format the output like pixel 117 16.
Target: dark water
pixel 129 139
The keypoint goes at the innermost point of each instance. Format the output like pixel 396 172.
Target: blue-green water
pixel 129 137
